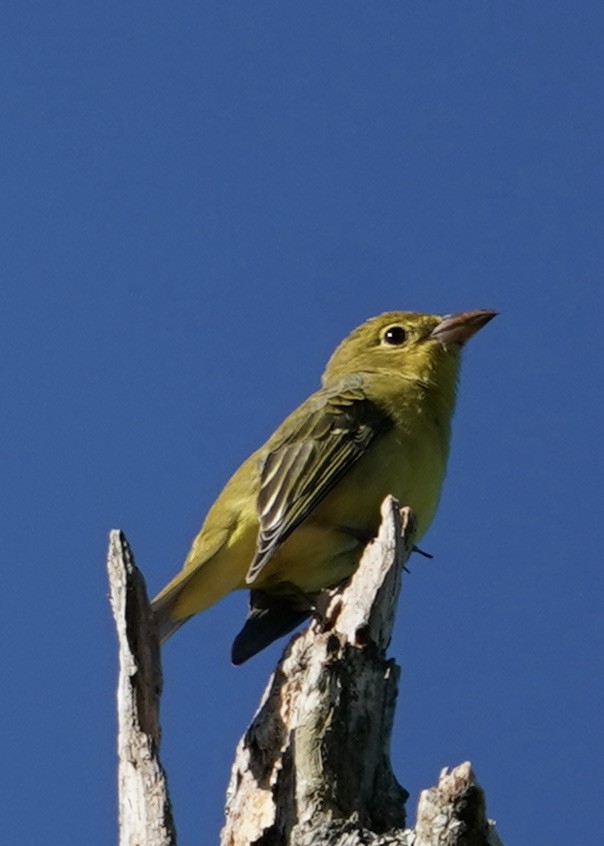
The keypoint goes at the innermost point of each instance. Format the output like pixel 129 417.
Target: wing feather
pixel 312 455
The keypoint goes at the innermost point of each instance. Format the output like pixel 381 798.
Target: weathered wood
pixel 453 812
pixel 313 766
pixel 145 816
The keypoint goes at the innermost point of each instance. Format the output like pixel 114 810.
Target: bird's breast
pixel 409 467
pixel 325 548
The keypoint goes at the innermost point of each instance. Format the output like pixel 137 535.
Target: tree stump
pixel 313 768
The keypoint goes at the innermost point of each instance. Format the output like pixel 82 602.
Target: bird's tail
pixel 268 618
pixel 165 626
pixel 162 606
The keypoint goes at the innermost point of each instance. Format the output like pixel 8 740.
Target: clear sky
pixel 198 201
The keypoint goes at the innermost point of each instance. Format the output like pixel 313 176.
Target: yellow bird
pixel 294 518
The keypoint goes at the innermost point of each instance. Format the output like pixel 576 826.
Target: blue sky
pixel 199 200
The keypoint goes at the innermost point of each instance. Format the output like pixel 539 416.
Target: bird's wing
pixel 312 454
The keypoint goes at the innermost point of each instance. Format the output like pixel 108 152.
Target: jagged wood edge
pixel 453 813
pixel 314 763
pixel 145 814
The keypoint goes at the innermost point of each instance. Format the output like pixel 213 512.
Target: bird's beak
pixel 457 328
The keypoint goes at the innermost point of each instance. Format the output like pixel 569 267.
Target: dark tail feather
pixel 269 618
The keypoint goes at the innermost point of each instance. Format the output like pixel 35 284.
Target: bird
pixel 294 518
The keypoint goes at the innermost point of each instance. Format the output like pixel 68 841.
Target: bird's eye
pixel 395 335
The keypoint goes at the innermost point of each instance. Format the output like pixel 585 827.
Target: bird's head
pixel 423 347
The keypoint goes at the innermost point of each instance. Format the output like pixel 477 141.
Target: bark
pixel 453 812
pixel 145 815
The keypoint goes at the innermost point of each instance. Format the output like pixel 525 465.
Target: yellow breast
pixel 325 548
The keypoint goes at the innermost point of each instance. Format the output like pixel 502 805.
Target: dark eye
pixel 395 335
